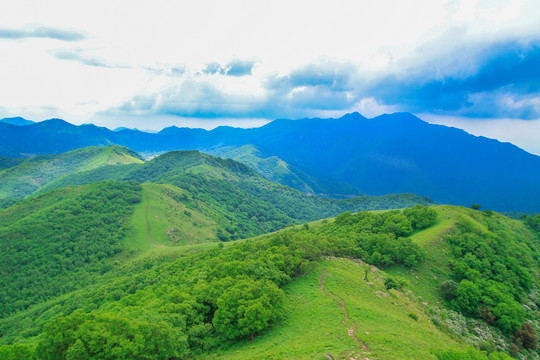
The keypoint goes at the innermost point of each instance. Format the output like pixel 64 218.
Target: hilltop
pixel 24 177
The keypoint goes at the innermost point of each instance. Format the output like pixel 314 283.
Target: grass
pixel 315 325
pixel 427 277
pixel 33 174
pixel 171 223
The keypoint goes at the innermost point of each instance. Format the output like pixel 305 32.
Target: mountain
pixel 29 175
pixel 69 234
pixel 19 121
pixel 7 162
pixel 393 153
pixel 50 137
pixel 234 195
pixel 276 170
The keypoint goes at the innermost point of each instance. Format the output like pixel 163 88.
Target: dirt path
pixel 148 226
pixel 350 331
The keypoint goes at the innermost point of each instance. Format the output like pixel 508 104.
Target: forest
pixel 192 304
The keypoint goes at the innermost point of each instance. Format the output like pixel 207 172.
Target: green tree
pixel 468 296
pixel 247 308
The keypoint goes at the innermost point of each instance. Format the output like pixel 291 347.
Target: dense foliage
pixel 54 248
pixel 198 302
pixel 491 268
pixel 380 238
pixel 242 202
pixel 7 162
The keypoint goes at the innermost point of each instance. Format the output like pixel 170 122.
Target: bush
pixel 420 216
pixel 448 289
pixel 525 337
pixel 395 282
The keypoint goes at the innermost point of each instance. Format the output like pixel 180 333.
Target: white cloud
pixel 167 42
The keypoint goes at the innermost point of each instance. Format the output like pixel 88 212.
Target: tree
pixel 509 316
pixel 448 289
pixel 475 206
pixel 395 282
pixel 525 337
pixel 468 296
pixel 420 216
pixel 248 307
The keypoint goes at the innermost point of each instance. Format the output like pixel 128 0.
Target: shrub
pixel 395 282
pixel 525 337
pixel 448 289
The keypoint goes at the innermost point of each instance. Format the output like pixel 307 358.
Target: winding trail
pixel 350 331
pixel 148 226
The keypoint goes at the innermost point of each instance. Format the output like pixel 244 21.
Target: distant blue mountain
pixel 393 153
pixel 19 121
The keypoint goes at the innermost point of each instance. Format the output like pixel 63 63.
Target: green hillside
pixel 154 263
pixel 62 240
pixel 31 174
pixel 161 221
pixel 276 170
pixel 242 202
pixel 7 162
pixel 306 292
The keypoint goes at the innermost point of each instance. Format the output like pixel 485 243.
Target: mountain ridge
pixel 391 153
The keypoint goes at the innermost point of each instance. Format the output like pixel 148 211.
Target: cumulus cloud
pixel 234 68
pixel 43 32
pixel 306 91
pixel 80 56
pixel 486 80
pixel 193 98
pixel 239 67
pixel 173 71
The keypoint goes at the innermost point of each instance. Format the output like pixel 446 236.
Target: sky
pixel 472 64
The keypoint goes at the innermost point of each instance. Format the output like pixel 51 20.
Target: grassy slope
pixel 308 333
pixel 171 222
pixel 30 175
pixel 315 324
pixel 425 280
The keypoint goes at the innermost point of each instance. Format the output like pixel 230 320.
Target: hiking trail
pixel 350 331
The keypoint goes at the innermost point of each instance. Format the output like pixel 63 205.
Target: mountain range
pixel 393 153
pixel 107 255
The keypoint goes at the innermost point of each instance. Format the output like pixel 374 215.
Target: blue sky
pixel 473 64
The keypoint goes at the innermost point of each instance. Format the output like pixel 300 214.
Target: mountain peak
pixel 353 116
pixel 56 121
pixel 18 121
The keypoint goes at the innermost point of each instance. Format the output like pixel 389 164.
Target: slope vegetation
pixel 276 170
pixel 307 292
pixel 28 176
